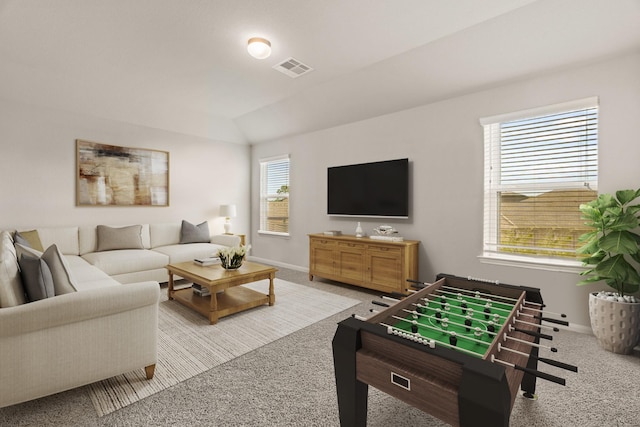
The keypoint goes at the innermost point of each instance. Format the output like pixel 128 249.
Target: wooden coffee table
pixel 227 296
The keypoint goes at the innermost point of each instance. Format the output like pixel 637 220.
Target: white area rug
pixel 188 345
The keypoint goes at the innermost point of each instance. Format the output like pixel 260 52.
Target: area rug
pixel 188 345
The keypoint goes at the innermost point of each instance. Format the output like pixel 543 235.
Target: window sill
pixel 547 264
pixel 273 233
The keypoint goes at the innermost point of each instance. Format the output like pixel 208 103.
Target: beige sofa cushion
pixel 126 260
pixel 182 253
pixel 66 238
pixel 164 234
pixel 11 289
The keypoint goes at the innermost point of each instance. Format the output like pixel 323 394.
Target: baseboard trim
pixel 279 264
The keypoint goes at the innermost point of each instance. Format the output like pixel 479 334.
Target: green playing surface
pixel 450 307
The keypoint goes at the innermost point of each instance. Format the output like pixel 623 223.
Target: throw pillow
pixel 110 238
pixel 194 233
pixel 63 280
pixel 36 278
pixel 29 238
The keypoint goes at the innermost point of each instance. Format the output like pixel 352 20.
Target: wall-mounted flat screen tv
pixel 377 189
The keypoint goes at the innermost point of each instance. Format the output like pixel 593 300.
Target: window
pixel 540 165
pixel 274 195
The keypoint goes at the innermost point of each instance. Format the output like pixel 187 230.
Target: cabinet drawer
pixel 385 249
pixel 323 243
pixel 351 245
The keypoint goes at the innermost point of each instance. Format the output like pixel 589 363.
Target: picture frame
pixel 111 175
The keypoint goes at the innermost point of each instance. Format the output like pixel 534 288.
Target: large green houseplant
pixel 612 254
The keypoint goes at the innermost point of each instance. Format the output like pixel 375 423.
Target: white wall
pixel 38 173
pixel 444 144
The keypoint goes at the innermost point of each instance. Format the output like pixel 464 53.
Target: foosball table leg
pixel 352 394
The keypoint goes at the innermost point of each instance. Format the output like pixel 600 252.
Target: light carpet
pixel 188 345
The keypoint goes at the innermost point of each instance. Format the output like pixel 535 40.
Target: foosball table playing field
pixel 458 349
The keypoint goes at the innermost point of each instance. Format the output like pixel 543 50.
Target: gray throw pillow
pixel 194 233
pixel 36 278
pixel 110 238
pixel 63 280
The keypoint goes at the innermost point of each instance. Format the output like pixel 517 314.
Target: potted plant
pixel 612 253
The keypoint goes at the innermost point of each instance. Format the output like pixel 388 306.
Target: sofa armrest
pixel 226 240
pixel 76 307
pixel 71 340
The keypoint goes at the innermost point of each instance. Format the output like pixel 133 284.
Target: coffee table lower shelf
pixel 229 301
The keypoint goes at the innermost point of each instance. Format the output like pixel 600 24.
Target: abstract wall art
pixel 109 175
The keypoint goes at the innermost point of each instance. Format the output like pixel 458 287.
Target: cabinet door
pixel 323 257
pixel 351 261
pixel 385 267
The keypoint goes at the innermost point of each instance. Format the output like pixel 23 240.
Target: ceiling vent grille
pixel 292 68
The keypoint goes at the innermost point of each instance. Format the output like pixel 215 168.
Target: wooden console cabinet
pixel 375 264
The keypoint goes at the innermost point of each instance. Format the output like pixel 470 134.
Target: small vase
pixel 231 264
pixel 359 232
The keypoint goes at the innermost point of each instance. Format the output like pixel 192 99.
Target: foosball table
pixel 458 349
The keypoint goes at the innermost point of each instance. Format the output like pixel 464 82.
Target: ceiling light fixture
pixel 259 48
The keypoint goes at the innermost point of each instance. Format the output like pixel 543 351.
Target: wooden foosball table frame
pixel 458 388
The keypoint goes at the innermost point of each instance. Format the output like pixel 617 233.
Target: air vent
pixel 292 68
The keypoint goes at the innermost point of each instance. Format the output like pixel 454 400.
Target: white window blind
pixel 274 195
pixel 540 165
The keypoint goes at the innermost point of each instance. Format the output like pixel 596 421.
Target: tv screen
pixel 378 189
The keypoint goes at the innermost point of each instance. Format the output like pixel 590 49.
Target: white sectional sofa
pixel 105 326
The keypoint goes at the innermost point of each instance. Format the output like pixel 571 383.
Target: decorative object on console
pixel 359 232
pixel 232 258
pixel 121 176
pixel 332 233
pixel 612 253
pixel 386 232
pixel 228 211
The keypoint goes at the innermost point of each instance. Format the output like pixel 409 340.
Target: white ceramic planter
pixel 616 325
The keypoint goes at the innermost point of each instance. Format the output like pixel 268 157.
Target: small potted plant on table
pixel 612 253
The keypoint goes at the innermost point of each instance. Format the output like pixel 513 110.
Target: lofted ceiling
pixel 182 65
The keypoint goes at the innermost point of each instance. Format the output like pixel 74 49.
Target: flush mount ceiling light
pixel 259 48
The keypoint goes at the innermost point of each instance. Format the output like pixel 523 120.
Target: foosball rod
pixel 427 300
pixel 484 322
pixel 486 301
pixel 514 300
pixel 487 323
pixel 441 331
pixel 507 337
pixel 447 320
pixel 541 359
pixel 531 333
pixel 533 372
pixel 537 325
pixel 491 301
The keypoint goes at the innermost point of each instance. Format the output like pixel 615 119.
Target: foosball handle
pixel 417 284
pixel 542 375
pixel 552 320
pixel 562 365
pixel 535 334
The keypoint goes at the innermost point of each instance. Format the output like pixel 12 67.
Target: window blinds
pixel 539 167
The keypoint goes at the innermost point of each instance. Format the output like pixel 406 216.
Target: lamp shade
pixel 228 211
pixel 259 48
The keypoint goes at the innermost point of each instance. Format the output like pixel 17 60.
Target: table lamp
pixel 228 211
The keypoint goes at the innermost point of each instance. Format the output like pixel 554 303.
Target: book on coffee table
pixel 207 261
